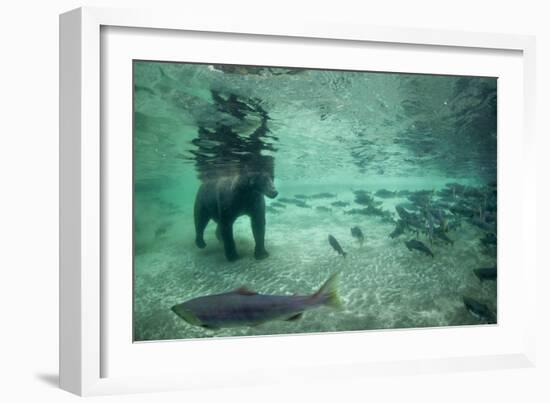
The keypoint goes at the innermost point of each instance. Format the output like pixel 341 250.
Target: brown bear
pixel 227 198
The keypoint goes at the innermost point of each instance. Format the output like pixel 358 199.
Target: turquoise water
pixel 332 141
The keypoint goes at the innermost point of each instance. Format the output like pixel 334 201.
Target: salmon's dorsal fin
pixel 295 317
pixel 244 291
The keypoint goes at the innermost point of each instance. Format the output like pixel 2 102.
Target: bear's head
pixel 262 183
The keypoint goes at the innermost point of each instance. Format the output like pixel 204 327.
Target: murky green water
pixel 331 141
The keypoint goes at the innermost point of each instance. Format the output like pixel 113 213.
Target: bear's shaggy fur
pixel 224 200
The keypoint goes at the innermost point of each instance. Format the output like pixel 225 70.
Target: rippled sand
pixel 382 284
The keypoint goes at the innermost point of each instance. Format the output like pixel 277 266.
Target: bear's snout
pixel 271 193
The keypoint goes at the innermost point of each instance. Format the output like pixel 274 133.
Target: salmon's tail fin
pixel 328 293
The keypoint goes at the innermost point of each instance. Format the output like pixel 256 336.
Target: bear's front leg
pixel 257 220
pixel 226 233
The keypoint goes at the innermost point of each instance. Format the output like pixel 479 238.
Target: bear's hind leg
pixel 201 221
pixel 226 232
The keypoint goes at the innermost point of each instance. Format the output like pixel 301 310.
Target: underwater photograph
pixel 280 200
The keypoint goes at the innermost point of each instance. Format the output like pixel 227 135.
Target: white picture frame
pixel 85 344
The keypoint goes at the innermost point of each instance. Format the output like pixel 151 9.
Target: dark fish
pixel 421 197
pixel 358 234
pixel 323 209
pixel 479 310
pixel 244 307
pixel 300 196
pixel 139 88
pixel 439 215
pixel 299 203
pixel 481 223
pixel 387 217
pixel 362 211
pixel 162 229
pixel 414 244
pixel 403 193
pixel 462 210
pixel 489 239
pixel 454 223
pixel 486 273
pixel 429 227
pixel 456 187
pixel 403 214
pixel 384 193
pixel 473 192
pixel 324 195
pixel 371 210
pixel 411 220
pixel 339 204
pixel 440 233
pixel 296 202
pixel 363 198
pixel 272 210
pixel 490 216
pixel 408 206
pixel 336 246
pixel 399 229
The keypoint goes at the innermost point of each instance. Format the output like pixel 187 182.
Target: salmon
pixel 245 307
pixel 336 246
